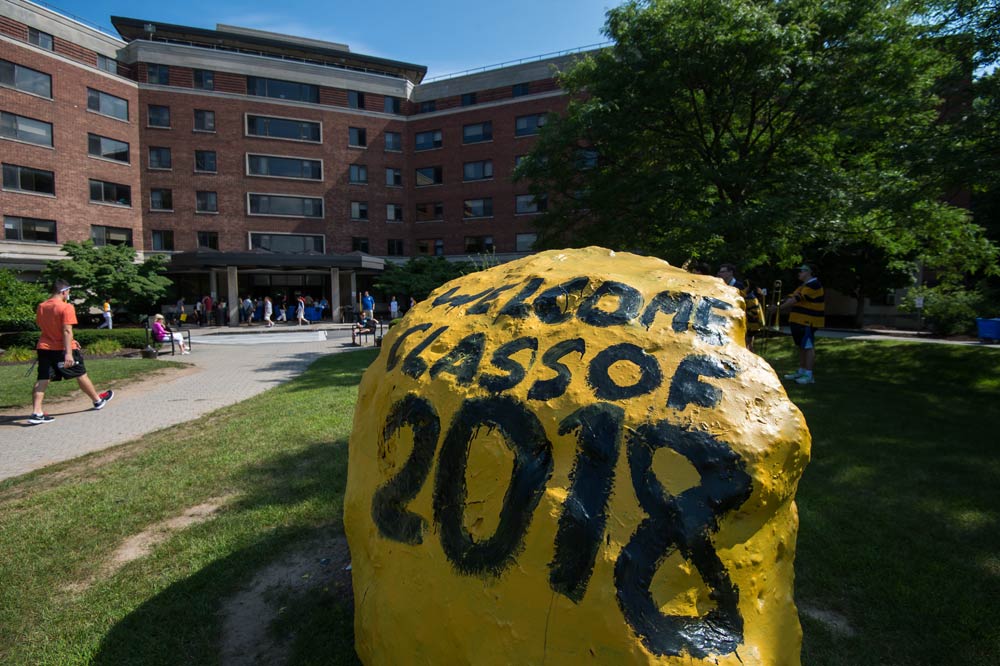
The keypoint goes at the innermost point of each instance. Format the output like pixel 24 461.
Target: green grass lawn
pixel 15 385
pixel 898 539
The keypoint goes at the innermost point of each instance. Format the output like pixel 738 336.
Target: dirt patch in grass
pixel 832 620
pixel 318 566
pixel 140 384
pixel 142 544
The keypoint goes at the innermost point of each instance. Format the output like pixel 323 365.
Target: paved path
pixel 227 368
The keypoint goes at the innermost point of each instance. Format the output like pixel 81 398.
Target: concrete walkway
pixel 227 367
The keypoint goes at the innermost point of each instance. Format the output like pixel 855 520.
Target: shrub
pixel 18 354
pixel 127 338
pixel 948 309
pixel 104 347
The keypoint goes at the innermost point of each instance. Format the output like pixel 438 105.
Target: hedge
pixel 129 338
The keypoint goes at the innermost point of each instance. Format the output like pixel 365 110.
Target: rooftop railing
pixel 520 61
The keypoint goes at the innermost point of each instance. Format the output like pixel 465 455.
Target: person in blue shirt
pixel 368 304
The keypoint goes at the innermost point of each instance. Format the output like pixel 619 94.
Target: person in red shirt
pixel 59 354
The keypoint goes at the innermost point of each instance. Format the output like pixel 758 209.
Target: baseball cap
pixel 805 267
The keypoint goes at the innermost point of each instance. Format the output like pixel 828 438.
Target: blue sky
pixel 445 35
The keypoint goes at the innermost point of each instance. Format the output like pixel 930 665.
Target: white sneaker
pixel 805 379
pixel 794 375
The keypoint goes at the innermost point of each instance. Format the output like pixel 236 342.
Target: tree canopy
pixel 18 301
pixel 419 276
pixel 762 132
pixel 112 271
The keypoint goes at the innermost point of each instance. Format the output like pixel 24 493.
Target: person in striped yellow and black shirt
pixel 807 308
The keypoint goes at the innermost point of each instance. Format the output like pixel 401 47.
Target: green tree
pixel 18 301
pixel 112 271
pixel 419 276
pixel 757 131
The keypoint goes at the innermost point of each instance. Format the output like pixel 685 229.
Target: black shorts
pixel 803 335
pixel 49 361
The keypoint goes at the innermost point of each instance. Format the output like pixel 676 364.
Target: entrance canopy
pixel 207 259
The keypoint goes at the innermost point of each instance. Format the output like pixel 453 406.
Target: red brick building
pixel 224 146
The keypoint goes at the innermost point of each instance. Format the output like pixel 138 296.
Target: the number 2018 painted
pixel 681 523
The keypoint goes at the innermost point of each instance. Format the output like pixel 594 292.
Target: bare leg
pixel 87 387
pixel 808 358
pixel 37 395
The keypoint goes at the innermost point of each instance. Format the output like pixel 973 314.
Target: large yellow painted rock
pixel 570 459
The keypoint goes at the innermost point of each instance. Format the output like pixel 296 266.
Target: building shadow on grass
pixel 283 597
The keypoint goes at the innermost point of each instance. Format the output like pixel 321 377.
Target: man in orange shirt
pixel 59 354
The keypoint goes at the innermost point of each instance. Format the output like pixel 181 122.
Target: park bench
pixel 150 342
pixel 376 336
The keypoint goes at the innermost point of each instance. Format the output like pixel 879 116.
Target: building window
pixel 159 158
pixel 102 235
pixel 428 106
pixel 108 149
pixel 392 105
pixel 25 129
pixel 26 179
pixel 358 174
pixel 359 210
pixel 479 244
pixel 110 193
pixel 429 176
pixel 204 121
pixel 393 213
pixel 204 79
pixel 208 240
pixel 394 247
pixel 284 167
pixel 468 99
pixel 586 159
pixel 206 202
pixel 431 246
pixel 25 79
pixel 525 242
pixel 40 39
pixel 525 204
pixel 394 177
pixel 204 161
pixel 107 64
pixel 427 140
pixel 357 137
pixel 520 89
pixel 161 199
pixel 107 105
pixel 482 170
pixel 159 116
pixel 285 206
pixel 29 229
pixel 158 74
pixel 284 128
pixel 477 132
pixel 393 142
pixel 278 89
pixel 528 125
pixel 287 243
pixel 359 244
pixel 355 99
pixel 163 240
pixel 472 208
pixel 430 212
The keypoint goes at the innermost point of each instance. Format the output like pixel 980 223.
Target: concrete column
pixel 335 311
pixel 213 284
pixel 355 298
pixel 233 295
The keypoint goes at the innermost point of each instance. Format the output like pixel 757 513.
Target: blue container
pixel 989 329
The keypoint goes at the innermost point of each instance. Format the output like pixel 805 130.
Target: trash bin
pixel 989 329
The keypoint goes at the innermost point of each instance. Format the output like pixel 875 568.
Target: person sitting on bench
pixel 163 334
pixel 368 324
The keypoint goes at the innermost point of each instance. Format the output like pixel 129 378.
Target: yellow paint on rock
pixel 669 540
